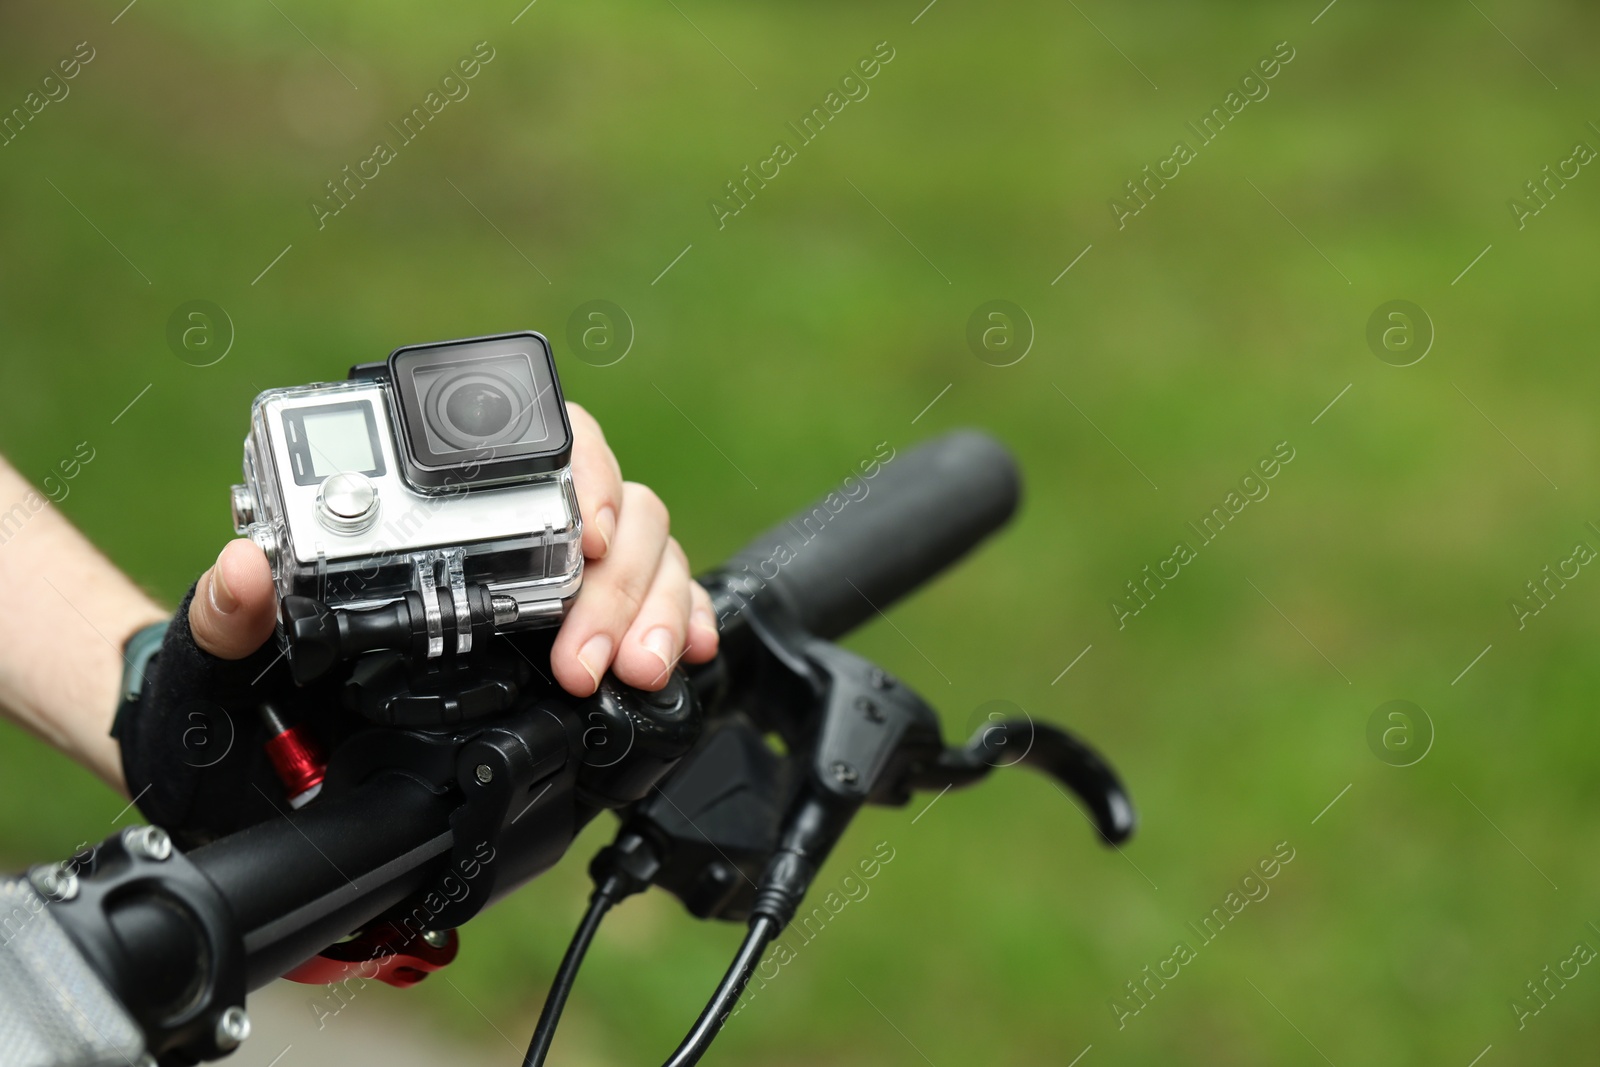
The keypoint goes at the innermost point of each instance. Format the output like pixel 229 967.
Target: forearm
pixel 65 612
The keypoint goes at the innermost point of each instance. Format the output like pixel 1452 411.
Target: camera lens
pixel 478 409
pixel 484 411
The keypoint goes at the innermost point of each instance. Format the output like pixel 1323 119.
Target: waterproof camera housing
pixel 422 504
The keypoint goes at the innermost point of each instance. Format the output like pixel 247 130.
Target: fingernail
pixel 222 598
pixel 606 522
pixel 703 619
pixel 659 643
pixel 595 655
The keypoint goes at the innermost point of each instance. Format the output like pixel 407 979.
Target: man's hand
pixel 639 611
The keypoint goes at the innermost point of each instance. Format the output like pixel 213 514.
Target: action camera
pixel 423 504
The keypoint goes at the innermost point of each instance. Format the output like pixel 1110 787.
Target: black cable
pixel 811 830
pixel 605 895
pixel 763 929
pixel 629 865
pixel 621 869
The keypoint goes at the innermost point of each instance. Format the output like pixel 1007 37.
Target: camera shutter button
pixel 347 503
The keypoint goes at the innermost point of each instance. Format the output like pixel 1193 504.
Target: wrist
pixel 137 652
pixel 86 724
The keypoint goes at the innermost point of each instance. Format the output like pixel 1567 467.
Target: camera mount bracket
pixel 441 606
pixel 425 578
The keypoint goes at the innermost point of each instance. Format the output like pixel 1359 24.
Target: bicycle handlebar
pixel 843 559
pixel 404 808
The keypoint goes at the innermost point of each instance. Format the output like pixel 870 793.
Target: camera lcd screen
pixel 326 439
pixel 338 441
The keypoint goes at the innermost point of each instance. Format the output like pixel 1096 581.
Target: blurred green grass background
pixel 822 320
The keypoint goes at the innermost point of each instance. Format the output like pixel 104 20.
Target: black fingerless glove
pixel 193 741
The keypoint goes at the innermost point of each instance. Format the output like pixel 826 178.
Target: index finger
pixel 598 481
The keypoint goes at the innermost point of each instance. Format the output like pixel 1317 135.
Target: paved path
pixel 285 1034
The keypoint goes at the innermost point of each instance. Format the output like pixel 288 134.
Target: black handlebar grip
pixel 875 538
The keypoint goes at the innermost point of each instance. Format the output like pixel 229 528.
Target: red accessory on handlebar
pixel 384 953
pixel 297 758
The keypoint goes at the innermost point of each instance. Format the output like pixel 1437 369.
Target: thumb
pixel 235 605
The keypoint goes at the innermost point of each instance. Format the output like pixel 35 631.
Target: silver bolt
pixel 505 609
pixel 844 773
pixel 244 508
pixel 58 881
pixel 265 537
pixel 484 774
pixel 437 938
pixel 149 842
pixel 233 1027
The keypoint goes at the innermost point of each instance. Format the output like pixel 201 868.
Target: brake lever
pixel 878 741
pixel 1051 751
pixel 738 831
